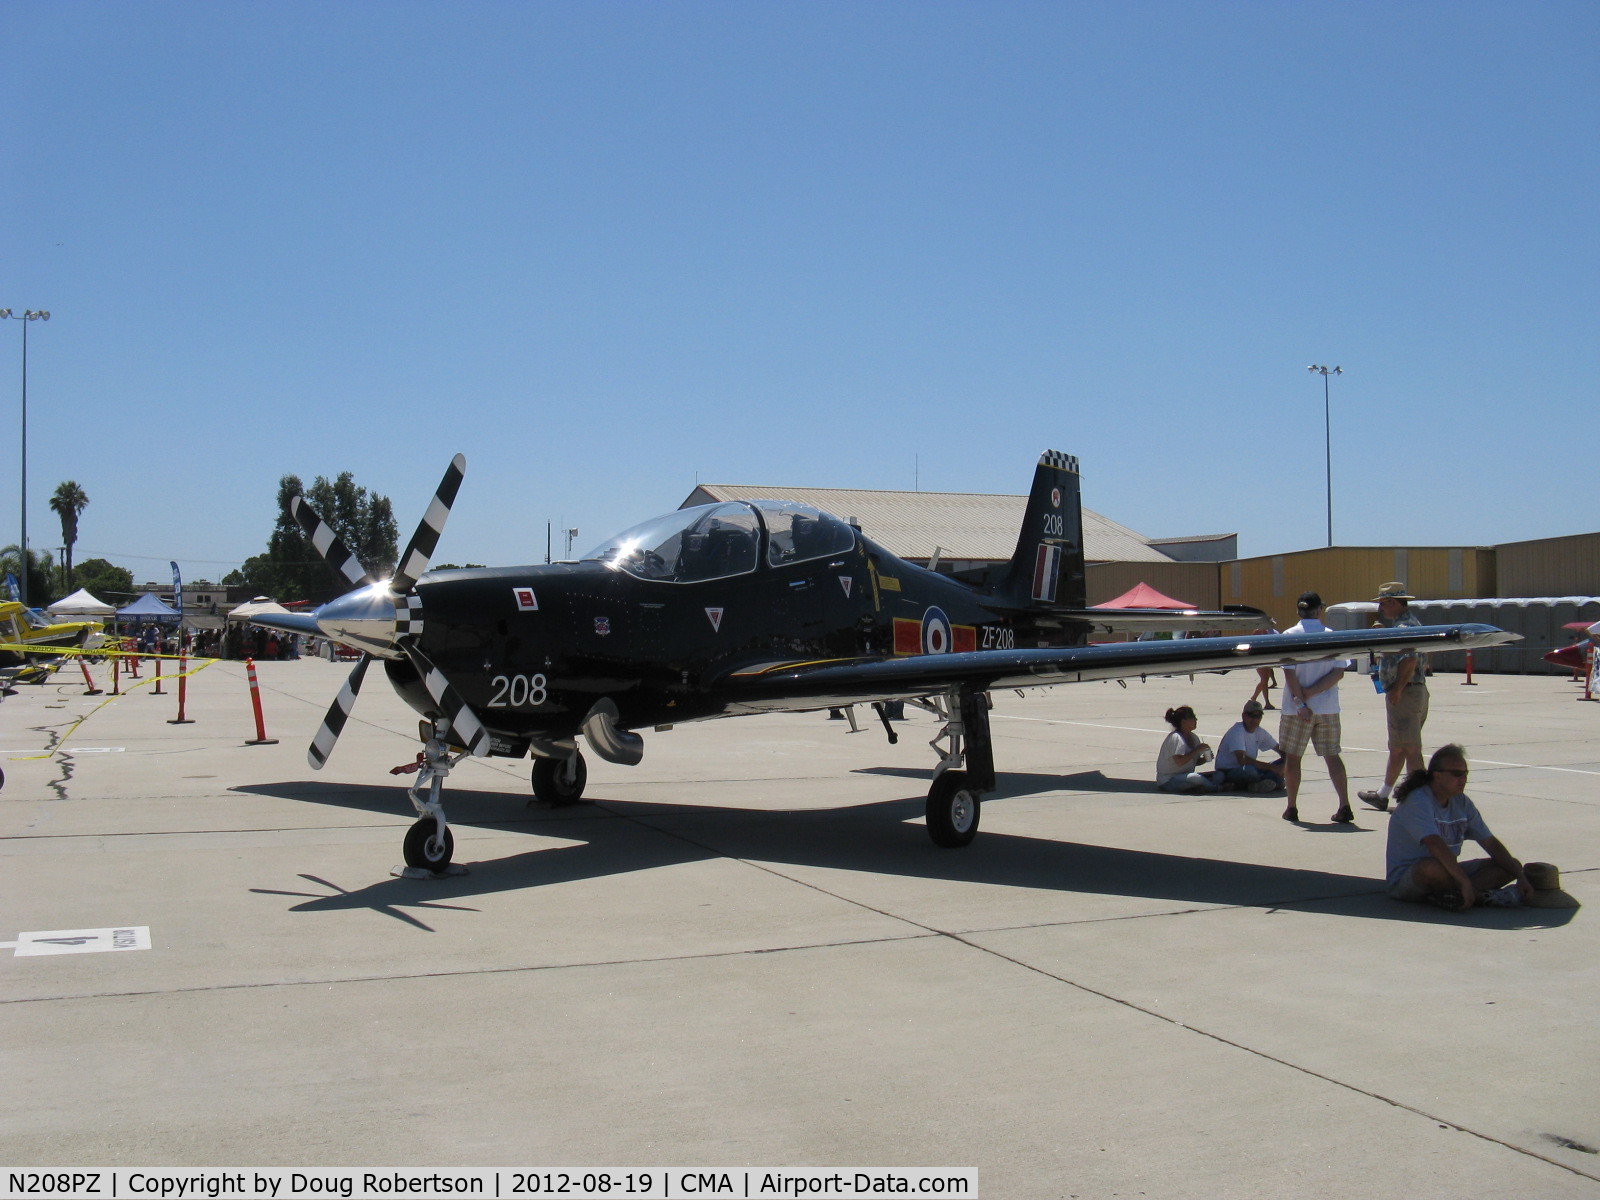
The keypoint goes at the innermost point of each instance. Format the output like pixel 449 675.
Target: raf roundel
pixel 935 632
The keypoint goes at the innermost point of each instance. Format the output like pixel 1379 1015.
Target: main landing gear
pixel 956 797
pixel 559 781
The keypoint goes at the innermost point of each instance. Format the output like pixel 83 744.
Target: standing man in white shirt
pixel 1310 715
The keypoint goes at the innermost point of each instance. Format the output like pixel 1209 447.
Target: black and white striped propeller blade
pixel 465 729
pixel 419 553
pixel 401 625
pixel 338 714
pixel 328 543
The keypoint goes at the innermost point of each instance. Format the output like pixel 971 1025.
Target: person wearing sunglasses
pixel 1433 818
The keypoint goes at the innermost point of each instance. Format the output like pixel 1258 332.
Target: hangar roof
pixel 971 526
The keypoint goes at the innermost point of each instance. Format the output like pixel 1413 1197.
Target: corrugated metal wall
pixel 1562 566
pixel 1344 573
pixel 1195 582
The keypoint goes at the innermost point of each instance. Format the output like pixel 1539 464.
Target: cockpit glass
pixel 710 541
pixel 797 532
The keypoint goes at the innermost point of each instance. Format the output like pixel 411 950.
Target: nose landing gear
pixel 429 845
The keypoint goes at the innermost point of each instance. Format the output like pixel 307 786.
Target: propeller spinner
pixel 384 618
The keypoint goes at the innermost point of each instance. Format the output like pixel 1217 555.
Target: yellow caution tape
pixel 96 652
pixel 201 665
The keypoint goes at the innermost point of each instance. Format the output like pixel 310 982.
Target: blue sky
pixel 608 249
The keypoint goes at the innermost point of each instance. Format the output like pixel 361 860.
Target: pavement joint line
pixel 1360 749
pixel 966 940
pixel 477 972
pixel 1273 1058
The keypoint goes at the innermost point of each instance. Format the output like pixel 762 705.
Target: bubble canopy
pixel 715 541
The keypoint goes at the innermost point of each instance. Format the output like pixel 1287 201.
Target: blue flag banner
pixel 177 592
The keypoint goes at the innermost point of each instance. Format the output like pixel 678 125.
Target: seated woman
pixel 1181 754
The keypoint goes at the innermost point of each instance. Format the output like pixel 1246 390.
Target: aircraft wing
pixel 789 686
pixel 1236 618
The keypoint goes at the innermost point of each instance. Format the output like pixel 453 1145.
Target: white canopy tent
pixel 260 606
pixel 81 604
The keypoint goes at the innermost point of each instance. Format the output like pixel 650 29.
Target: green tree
pixel 291 568
pixel 69 500
pixel 42 590
pixel 99 578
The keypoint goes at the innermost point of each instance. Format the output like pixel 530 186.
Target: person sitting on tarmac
pixel 1240 754
pixel 1433 818
pixel 1181 754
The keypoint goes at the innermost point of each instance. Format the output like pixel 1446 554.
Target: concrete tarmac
pixel 746 951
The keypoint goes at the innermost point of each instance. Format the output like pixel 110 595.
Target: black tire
pixel 953 810
pixel 424 850
pixel 551 785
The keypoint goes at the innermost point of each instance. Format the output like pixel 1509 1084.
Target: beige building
pixel 962 531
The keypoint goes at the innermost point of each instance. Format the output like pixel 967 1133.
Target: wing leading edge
pixel 813 685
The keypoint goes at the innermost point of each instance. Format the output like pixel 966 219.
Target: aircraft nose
pixel 364 618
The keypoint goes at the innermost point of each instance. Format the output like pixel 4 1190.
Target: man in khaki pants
pixel 1405 694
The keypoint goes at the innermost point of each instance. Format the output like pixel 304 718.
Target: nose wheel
pixel 429 845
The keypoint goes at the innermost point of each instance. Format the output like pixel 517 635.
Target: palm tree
pixel 69 500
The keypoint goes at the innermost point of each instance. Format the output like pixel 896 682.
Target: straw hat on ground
pixel 1547 893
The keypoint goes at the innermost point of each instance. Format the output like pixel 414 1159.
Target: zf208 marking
pixel 996 637
pixel 518 691
pixel 1054 525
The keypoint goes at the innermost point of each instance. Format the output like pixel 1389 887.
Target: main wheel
pixel 551 783
pixel 952 810
pixel 425 849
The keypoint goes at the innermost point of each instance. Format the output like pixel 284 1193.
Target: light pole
pixel 22 546
pixel 571 533
pixel 1327 435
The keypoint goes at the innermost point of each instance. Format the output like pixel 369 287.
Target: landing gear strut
pixel 429 844
pixel 955 800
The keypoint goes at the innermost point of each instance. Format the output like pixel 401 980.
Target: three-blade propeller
pixel 384 618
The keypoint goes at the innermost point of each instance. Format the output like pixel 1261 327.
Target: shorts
pixel 1320 731
pixel 1404 889
pixel 1406 716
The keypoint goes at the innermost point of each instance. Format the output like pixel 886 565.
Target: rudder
pixel 1048 566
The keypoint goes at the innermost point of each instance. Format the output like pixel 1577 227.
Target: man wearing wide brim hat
pixel 1404 685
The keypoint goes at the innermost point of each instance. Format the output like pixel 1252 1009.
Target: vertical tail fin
pixel 1047 567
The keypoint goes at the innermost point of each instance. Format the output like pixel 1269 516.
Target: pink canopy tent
pixel 1142 595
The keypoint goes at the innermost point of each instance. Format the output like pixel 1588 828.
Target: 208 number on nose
pixel 518 691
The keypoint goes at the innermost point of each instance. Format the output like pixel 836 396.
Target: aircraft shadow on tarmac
pixel 1030 783
pixel 616 837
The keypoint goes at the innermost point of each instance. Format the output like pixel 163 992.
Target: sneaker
pixel 1375 800
pixel 1449 901
pixel 1502 897
pixel 1263 786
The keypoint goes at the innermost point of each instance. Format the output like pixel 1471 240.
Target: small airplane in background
pixel 747 607
pixel 27 635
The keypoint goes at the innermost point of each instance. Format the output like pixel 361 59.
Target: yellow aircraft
pixel 25 627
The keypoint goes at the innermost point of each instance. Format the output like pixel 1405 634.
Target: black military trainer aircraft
pixel 735 608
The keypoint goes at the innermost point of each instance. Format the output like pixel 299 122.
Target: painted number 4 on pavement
pixel 80 941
